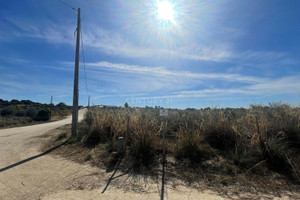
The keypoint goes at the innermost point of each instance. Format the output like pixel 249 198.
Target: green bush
pixel 21 113
pixel 7 111
pixel 42 115
pixel 31 113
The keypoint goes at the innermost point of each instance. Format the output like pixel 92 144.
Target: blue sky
pixel 216 53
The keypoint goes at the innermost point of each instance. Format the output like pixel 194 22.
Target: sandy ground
pixel 26 173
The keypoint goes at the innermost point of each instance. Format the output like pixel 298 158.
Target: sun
pixel 165 11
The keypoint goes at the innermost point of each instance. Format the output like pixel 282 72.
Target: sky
pixel 212 53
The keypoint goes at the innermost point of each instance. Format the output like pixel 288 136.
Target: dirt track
pixel 25 173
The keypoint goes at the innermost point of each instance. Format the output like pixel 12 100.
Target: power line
pixel 83 60
pixel 68 5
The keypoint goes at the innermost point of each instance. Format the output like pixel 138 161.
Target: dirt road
pixel 27 173
pixel 23 173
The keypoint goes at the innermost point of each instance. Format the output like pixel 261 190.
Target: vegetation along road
pixel 27 173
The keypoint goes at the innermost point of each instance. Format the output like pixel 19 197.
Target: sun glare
pixel 165 11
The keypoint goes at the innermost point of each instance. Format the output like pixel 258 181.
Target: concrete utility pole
pixel 51 105
pixel 75 94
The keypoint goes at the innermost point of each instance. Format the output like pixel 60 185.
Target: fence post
pixel 163 113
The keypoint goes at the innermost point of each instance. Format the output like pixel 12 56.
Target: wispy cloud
pixel 252 86
pixel 11 84
pixel 261 55
pixel 284 85
pixel 159 75
pixel 114 43
pixel 35 29
pixel 281 86
pixel 161 71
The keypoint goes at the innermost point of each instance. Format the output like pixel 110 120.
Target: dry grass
pixel 223 147
pixel 243 136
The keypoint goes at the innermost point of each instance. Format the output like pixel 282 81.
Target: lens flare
pixel 165 11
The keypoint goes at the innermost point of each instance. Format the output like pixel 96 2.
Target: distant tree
pixel 3 103
pixel 126 105
pixel 42 115
pixel 26 102
pixel 14 102
pixel 190 109
pixel 61 106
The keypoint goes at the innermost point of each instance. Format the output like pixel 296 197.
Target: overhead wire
pixel 66 4
pixel 82 47
pixel 83 60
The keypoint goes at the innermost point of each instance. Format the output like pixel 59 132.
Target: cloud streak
pixel 161 71
pixel 282 86
pixel 114 43
pixel 251 86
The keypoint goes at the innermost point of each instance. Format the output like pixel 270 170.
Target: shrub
pixel 245 137
pixel 142 149
pixel 89 118
pixel 7 111
pixel 20 113
pixel 189 143
pixel 93 137
pixel 42 115
pixel 102 126
pixel 276 151
pixel 218 131
pixel 271 137
pixel 31 113
pixel 143 139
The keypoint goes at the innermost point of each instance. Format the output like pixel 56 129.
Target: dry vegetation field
pixel 252 148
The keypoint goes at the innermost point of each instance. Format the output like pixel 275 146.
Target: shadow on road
pixel 31 158
pixel 113 174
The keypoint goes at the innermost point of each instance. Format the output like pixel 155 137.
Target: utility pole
pixel 51 105
pixel 76 73
pixel 89 102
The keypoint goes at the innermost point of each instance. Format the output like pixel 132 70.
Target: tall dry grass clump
pixel 261 136
pixel 143 137
pixel 218 129
pixel 188 143
pixel 102 125
pixel 273 130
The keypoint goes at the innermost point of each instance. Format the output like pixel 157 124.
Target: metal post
pixel 164 159
pixel 164 137
pixel 75 94
pixel 127 131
